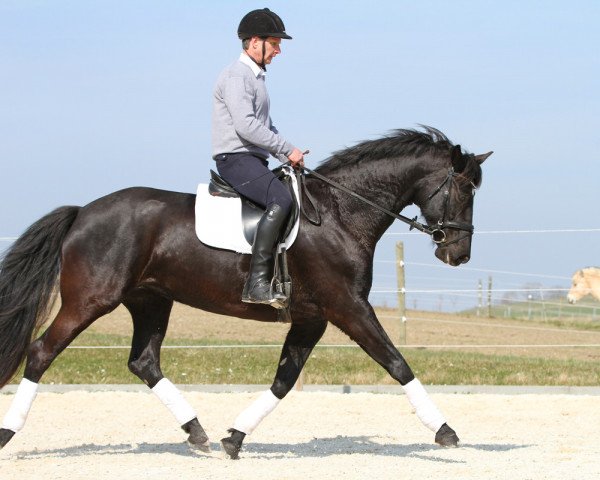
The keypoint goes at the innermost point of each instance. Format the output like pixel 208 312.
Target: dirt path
pixel 98 435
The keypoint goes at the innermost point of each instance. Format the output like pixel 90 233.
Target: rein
pixel 437 233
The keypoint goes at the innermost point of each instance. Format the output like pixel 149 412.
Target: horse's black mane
pixel 401 142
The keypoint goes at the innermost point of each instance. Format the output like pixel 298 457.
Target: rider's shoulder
pixel 237 69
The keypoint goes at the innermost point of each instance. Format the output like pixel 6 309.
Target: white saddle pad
pixel 219 221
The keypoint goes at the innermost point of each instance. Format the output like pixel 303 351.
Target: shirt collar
pixel 256 70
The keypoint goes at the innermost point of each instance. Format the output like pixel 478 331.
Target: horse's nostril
pixel 463 259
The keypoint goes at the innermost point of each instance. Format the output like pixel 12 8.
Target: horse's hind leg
pixel 68 323
pixel 298 345
pixel 150 313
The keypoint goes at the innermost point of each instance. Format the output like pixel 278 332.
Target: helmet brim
pixel 284 36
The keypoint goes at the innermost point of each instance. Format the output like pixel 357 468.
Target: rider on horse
pixel 243 137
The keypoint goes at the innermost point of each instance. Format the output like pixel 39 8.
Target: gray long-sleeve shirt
pixel 240 116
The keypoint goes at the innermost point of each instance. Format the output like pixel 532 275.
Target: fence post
pixel 543 306
pixel 479 298
pixel 490 296
pixel 401 291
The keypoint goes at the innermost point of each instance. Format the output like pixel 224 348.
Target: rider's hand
pixel 296 158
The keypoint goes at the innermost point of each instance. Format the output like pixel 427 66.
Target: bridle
pixel 437 233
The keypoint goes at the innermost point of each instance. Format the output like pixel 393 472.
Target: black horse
pixel 138 247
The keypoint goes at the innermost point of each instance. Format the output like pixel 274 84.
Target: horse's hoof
pixel 233 444
pixel 203 447
pixel 198 439
pixel 446 437
pixel 5 436
pixel 230 448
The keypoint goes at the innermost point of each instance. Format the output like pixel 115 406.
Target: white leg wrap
pixel 425 408
pixel 19 409
pixel 249 419
pixel 174 401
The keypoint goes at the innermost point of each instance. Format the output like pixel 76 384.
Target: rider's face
pixel 272 48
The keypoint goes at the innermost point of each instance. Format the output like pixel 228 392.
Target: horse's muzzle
pixel 453 256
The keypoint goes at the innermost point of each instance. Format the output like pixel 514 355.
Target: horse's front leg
pixel 150 314
pixel 358 320
pixel 298 345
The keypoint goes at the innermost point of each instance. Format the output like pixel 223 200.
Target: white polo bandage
pixel 174 401
pixel 19 408
pixel 424 407
pixel 249 419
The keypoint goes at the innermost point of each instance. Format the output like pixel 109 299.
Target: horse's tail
pixel 28 273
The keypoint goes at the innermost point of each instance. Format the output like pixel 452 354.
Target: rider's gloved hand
pixel 296 158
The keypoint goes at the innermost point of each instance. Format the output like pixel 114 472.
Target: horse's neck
pixel 388 177
pixel 389 184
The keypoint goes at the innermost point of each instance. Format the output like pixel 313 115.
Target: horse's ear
pixel 481 158
pixel 459 162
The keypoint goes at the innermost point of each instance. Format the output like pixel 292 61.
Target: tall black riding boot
pixel 258 285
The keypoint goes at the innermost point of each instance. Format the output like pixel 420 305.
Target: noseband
pixel 438 235
pixel 436 232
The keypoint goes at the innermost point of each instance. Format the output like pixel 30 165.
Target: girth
pixel 251 212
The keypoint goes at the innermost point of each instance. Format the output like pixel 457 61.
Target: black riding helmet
pixel 262 23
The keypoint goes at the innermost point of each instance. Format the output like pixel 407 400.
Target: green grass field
pixel 327 365
pixel 525 354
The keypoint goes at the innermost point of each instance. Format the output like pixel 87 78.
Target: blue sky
pixel 100 95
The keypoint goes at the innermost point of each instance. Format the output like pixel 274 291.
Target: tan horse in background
pixel 585 282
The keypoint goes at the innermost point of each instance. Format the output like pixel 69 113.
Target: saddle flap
pixel 251 215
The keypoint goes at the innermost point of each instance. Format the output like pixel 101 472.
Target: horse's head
pixel 446 202
pixel 584 282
